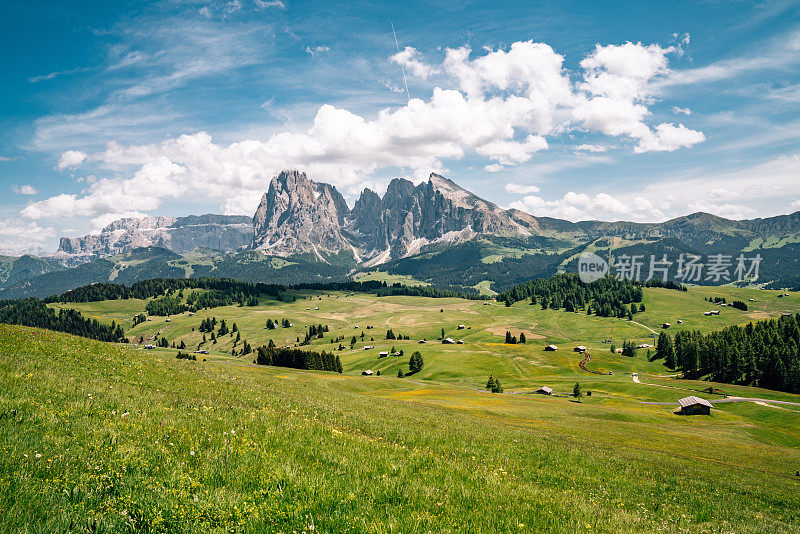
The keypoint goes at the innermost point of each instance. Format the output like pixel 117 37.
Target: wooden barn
pixel 544 390
pixel 694 406
pixel 551 348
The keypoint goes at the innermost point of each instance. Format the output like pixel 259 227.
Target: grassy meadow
pixel 107 438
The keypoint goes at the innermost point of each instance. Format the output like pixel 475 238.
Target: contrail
pixel 401 66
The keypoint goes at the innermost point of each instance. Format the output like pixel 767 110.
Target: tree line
pixel 34 312
pixel 298 359
pixel 606 297
pixel 763 354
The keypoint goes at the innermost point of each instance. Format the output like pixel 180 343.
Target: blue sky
pixel 580 110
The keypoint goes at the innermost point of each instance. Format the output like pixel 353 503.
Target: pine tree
pixel 522 337
pixel 576 391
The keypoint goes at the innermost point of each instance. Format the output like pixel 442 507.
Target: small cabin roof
pixel 692 400
pixel 545 389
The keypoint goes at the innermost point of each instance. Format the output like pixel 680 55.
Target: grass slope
pixel 102 438
pixel 283 450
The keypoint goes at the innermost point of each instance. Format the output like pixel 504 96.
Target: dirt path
pixel 762 402
pixel 582 365
pixel 643 326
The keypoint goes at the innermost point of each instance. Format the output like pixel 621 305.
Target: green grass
pixel 281 450
pixel 430 452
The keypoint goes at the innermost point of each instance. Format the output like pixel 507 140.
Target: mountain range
pixel 435 232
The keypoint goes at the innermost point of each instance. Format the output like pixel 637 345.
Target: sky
pixel 579 110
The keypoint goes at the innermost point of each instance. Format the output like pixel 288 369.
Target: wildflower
pixel 192 453
pixel 38 455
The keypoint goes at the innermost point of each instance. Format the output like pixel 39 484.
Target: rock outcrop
pixel 179 234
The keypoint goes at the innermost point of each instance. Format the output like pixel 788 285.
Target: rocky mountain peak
pixel 298 215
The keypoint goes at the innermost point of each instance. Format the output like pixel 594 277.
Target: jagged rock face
pixel 410 216
pixel 298 215
pixel 180 234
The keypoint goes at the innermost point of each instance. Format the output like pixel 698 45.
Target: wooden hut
pixel 544 390
pixel 694 406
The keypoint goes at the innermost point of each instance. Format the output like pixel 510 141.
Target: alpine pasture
pixel 106 437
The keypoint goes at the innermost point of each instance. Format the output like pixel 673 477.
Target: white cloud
pixel 24 189
pixel 781 53
pixel 520 189
pixel 669 137
pixel 71 158
pixel 22 237
pixel 685 111
pixel 264 4
pixel 618 86
pixel 581 207
pixel 729 211
pixel 50 76
pixel 590 148
pixel 408 58
pixel 522 93
pixel 513 152
pixel 316 50
pixel 794 206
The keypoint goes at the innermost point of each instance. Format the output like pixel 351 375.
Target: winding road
pixel 763 402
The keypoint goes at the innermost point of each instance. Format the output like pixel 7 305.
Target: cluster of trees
pixel 34 312
pixel 272 325
pixel 628 348
pixel 391 335
pixel 512 340
pixel 415 363
pixel 763 354
pixel 139 318
pixel 186 356
pixel 208 324
pixel 298 359
pixel 493 385
pixel 165 306
pixel 314 332
pixel 607 297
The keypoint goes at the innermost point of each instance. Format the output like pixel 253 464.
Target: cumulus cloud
pixel 730 211
pixel 410 59
pixel 24 189
pixel 581 207
pixel 520 189
pixel 22 237
pixel 617 87
pixel 669 137
pixel 685 111
pixel 504 105
pixel 71 158
pixel 513 152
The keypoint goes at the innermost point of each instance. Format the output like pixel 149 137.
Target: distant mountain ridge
pixel 179 234
pixel 297 215
pixel 435 231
